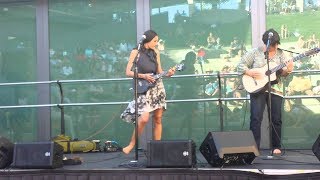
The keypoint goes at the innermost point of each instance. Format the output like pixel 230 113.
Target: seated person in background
pixel 301 43
pixel 161 46
pixel 312 42
pixel 211 40
pixel 123 46
pixel 201 55
pixel 284 7
pixel 316 89
pixel 235 47
pixel 211 88
pixel 293 5
pixel 300 85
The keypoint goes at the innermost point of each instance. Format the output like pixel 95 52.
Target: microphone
pixel 143 37
pixel 270 34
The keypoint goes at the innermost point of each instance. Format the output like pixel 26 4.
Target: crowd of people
pixel 94 61
pixel 291 6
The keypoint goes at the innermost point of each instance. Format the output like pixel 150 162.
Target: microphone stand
pixel 269 96
pixel 135 77
pixel 220 102
pixel 62 131
pixel 204 104
pixel 134 163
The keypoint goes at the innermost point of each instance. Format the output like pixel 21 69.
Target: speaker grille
pixel 171 153
pixel 316 148
pixel 38 155
pixel 229 148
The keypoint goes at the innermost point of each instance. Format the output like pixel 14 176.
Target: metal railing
pixel 61 105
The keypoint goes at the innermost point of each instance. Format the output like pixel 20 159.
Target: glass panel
pixel 17 64
pixel 91 40
pixel 218 33
pixel 295 21
pixel 301 113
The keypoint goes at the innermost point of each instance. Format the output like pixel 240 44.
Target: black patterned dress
pixel 154 98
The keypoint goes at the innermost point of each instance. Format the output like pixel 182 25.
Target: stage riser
pixel 147 174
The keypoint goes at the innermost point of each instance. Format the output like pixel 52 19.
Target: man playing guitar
pixel 254 65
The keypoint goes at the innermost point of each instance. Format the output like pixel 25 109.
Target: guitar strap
pixel 288 51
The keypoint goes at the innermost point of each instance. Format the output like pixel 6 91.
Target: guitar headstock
pixel 312 51
pixel 180 67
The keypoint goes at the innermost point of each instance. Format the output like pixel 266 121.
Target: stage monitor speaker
pixel 316 148
pixel 229 148
pixel 171 153
pixel 43 155
pixel 6 152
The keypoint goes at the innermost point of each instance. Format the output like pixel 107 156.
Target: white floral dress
pixel 153 99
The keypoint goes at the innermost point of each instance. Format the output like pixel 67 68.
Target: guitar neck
pixel 157 76
pixel 300 56
pixel 178 67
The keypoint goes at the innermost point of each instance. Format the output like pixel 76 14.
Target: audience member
pixel 312 42
pixel 161 46
pixel 293 5
pixel 301 43
pixel 284 31
pixel 211 88
pixel 123 47
pixel 285 7
pixel 300 85
pixel 316 89
pixel 201 55
pixel 235 47
pixel 187 88
pixel 211 40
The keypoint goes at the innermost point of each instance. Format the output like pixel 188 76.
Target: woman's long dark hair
pixel 149 35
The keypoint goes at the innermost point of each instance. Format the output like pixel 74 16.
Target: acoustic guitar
pixel 255 85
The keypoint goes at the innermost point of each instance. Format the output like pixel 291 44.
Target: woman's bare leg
pixel 142 121
pixel 157 119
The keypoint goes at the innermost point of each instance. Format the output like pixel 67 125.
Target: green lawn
pixel 305 23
